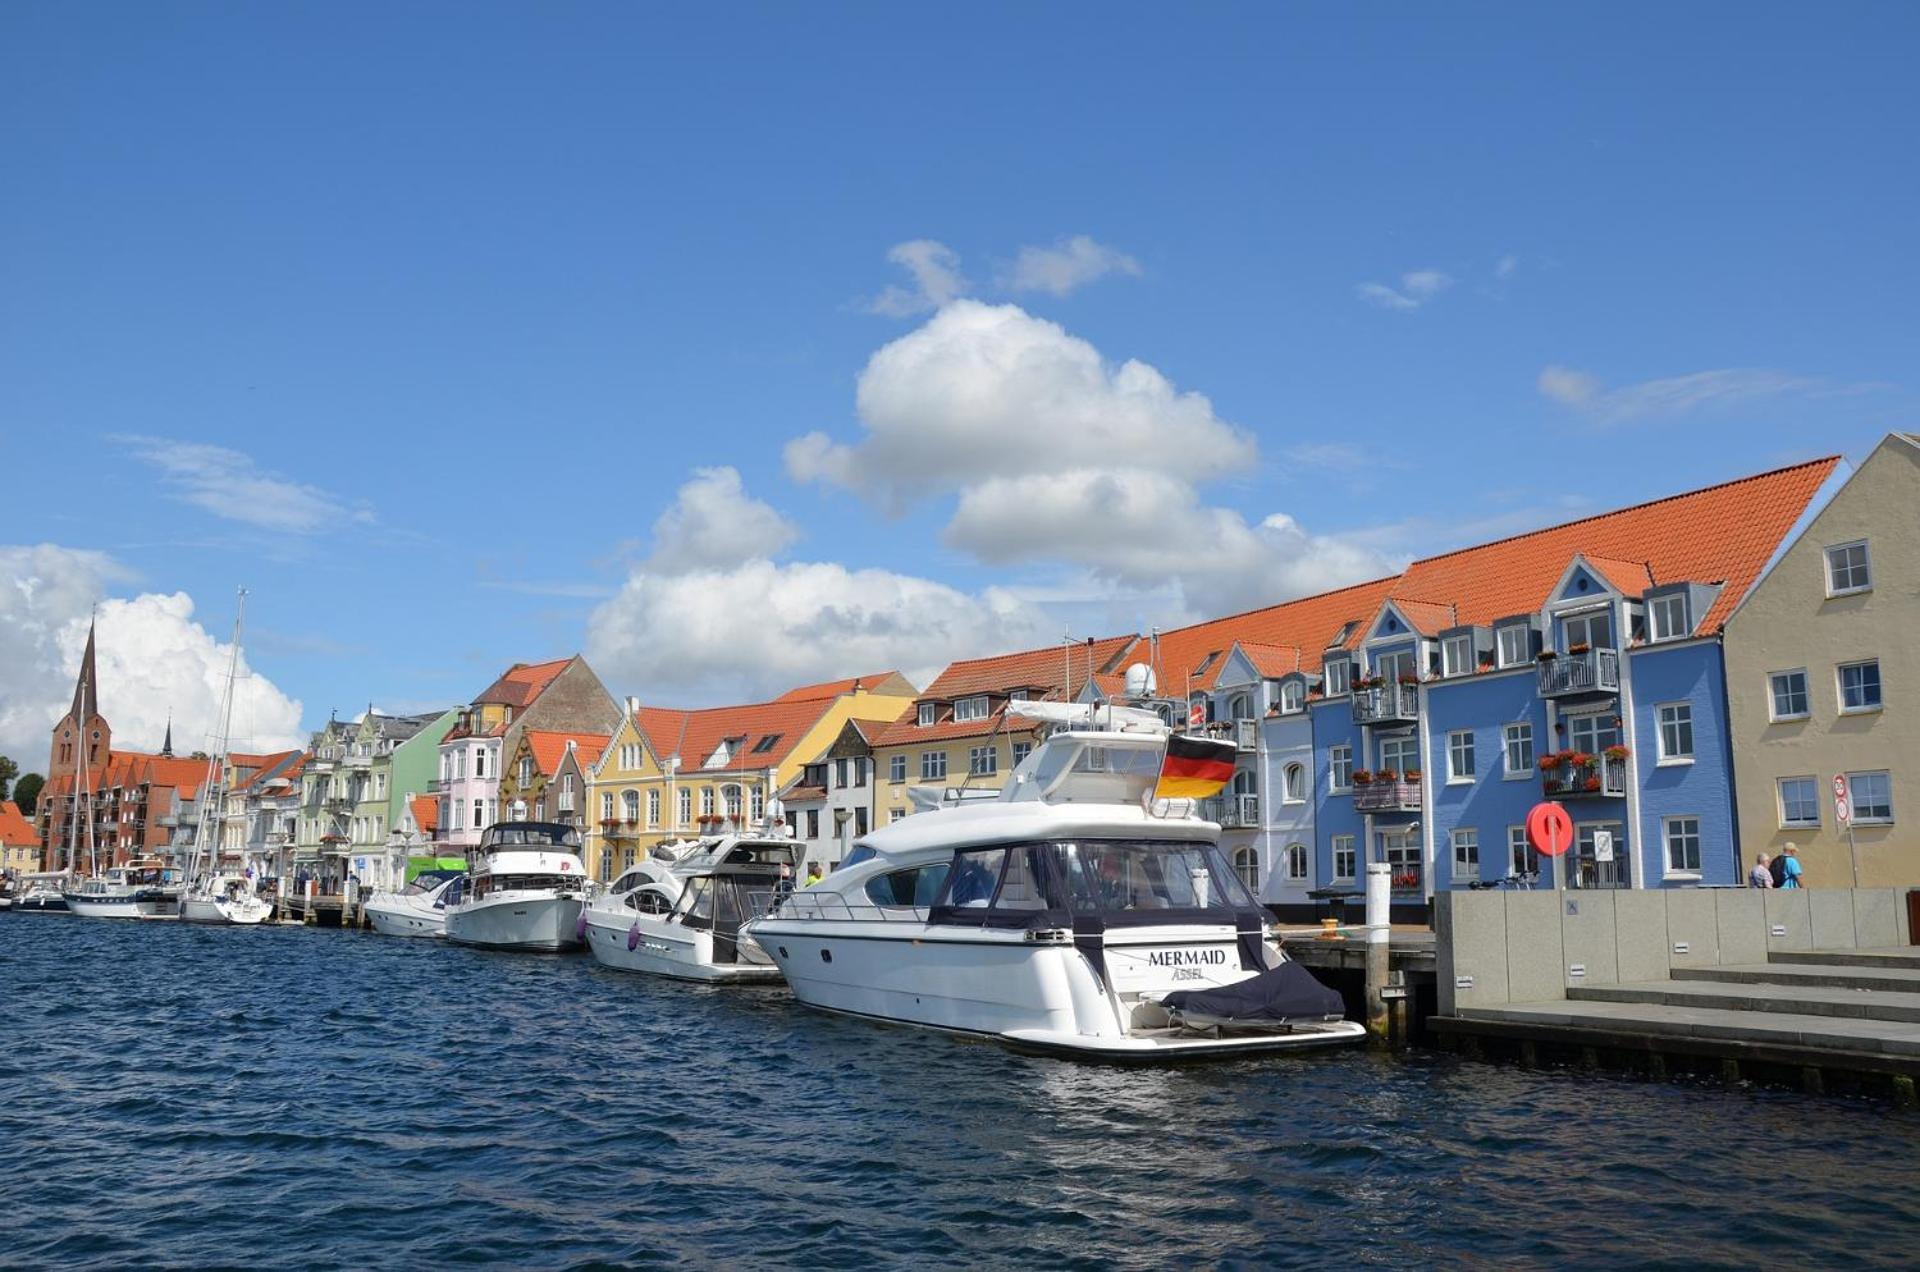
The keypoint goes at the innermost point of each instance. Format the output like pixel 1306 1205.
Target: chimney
pixel 633 705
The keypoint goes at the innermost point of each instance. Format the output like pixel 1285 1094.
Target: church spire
pixel 166 748
pixel 86 698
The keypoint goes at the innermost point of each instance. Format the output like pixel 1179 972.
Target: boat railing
pixel 832 907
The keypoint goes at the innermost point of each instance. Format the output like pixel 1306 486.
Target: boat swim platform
pixel 1802 1015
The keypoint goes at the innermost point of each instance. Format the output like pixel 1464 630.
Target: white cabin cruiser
pixel 225 898
pixel 528 891
pixel 41 892
pixel 1072 913
pixel 421 910
pixel 680 914
pixel 141 889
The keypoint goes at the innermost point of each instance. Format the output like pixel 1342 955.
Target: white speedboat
pixel 42 893
pixel 681 914
pixel 421 910
pixel 527 893
pixel 1074 913
pixel 141 889
pixel 226 898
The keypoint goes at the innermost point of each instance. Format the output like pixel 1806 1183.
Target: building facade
pixel 1819 660
pixel 830 802
pixel 350 796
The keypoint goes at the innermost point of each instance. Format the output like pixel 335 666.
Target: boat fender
pixel 633 937
pixel 580 927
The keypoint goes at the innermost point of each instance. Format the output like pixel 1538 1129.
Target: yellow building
pixel 668 773
pixel 19 841
pixel 957 735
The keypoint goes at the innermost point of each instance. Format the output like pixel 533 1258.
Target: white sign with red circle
pixel 1842 805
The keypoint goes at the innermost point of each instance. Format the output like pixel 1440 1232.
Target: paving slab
pixel 1780 1029
pixel 1890 956
pixel 1808 1000
pixel 1838 976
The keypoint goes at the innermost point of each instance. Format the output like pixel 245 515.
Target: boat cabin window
pixel 532 834
pixel 859 854
pixel 916 887
pixel 630 880
pixel 1124 882
pixel 696 904
pixel 488 884
pixel 456 891
pixel 650 900
pixel 760 854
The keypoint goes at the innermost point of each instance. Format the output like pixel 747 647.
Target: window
pixel 1400 753
pixel 1595 630
pixel 1847 569
pixel 1395 667
pixel 859 822
pixel 1246 864
pixel 1522 857
pixel 685 809
pixel 1340 767
pixel 732 796
pixel 1460 755
pixel 1016 695
pixel 974 708
pixel 1293 696
pixel 1295 858
pixel 1339 673
pixel 1669 615
pixel 1021 750
pixel 859 770
pixel 526 770
pixel 1682 836
pixel 766 743
pixel 813 823
pixel 933 765
pixel 606 805
pixel 1294 784
pixel 653 809
pixel 1344 863
pixel 928 710
pixel 897 768
pixel 479 815
pixel 1799 801
pixel 1592 733
pixel 1518 739
pixel 757 805
pixel 983 761
pixel 1872 797
pixel 480 762
pixel 706 801
pixel 1466 854
pixel 1860 686
pixel 1789 694
pixel 1676 731
pixel 1240 707
pixel 840 773
pixel 1456 654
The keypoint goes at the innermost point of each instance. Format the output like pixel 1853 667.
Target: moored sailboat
pixel 214 894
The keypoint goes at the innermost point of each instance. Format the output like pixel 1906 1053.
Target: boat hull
pixel 140 905
pixel 517 923
pixel 667 949
pixel 41 903
pixel 391 916
pixel 243 912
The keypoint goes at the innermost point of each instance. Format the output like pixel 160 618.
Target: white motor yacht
pixel 225 898
pixel 41 892
pixel 526 893
pixel 421 910
pixel 141 889
pixel 680 914
pixel 1072 913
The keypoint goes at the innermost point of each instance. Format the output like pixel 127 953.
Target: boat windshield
pixel 531 835
pixel 427 881
pixel 1130 882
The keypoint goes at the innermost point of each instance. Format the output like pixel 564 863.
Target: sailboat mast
pixel 219 766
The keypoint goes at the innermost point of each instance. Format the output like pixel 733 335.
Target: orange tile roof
pixel 523 682
pixel 1721 534
pixel 696 735
pixel 426 813
pixel 550 748
pixel 15 830
pixel 1309 625
pixel 834 688
pixel 1041 671
pixel 1271 661
pixel 1629 578
pixel 1429 618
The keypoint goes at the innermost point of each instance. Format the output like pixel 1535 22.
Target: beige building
pixel 1823 680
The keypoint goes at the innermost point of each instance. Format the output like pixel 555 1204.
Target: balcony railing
pixel 1409 877
pixel 1234 811
pixel 1575 775
pixel 1387 704
pixel 1387 797
pixel 1570 675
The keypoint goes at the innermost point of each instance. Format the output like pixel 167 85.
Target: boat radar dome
pixel 1140 682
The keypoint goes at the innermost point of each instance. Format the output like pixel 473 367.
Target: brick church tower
pixel 82 748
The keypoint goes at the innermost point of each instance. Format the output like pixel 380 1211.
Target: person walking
pixel 1760 876
pixel 1777 868
pixel 1792 869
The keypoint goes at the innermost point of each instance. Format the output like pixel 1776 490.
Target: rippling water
pixel 180 1095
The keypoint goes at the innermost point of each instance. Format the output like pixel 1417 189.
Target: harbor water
pixel 291 1097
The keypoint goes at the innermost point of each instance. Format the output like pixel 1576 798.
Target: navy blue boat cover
pixel 1287 992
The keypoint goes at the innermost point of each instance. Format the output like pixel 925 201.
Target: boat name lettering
pixel 1186 958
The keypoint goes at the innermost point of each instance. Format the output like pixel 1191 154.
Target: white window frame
pixel 1293 697
pixel 1853 787
pixel 927 714
pixel 1840 686
pixel 983 761
pixel 972 707
pixel 1661 720
pixel 1246 861
pixel 1508 737
pixel 1667 828
pixel 1297 863
pixel 1021 750
pixel 1347 846
pixel 1456 655
pixel 1774 715
pixel 1522 857
pixel 1454 776
pixel 1293 783
pixel 1780 796
pixel 1337 676
pixel 1506 658
pixel 1673 608
pixel 1339 757
pixel 1398 741
pixel 653 808
pixel 1866 567
pixel 933 766
pixel 1465 837
pixel 897 767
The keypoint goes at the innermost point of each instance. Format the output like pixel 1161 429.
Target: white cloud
pixel 1142 528
pixel 229 484
pixel 983 390
pixel 1673 395
pixel 1070 264
pixel 713 521
pixel 1504 268
pixel 152 656
pixel 1417 287
pixel 935 270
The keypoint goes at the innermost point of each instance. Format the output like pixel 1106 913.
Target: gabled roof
pixel 426 813
pixel 1309 624
pixel 870 730
pixel 1270 661
pixel 15 830
pixel 1629 578
pixel 1052 671
pixel 890 682
pixel 695 735
pixel 522 683
pixel 1428 618
pixel 549 748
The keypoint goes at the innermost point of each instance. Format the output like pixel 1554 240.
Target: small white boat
pixel 1073 914
pixel 527 893
pixel 421 910
pixel 141 889
pixel 43 893
pixel 681 914
pixel 228 899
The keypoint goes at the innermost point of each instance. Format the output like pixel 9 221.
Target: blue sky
pixel 416 319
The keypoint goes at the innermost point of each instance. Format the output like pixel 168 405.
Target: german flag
pixel 1195 767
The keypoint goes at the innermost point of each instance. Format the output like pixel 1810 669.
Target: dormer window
pixel 974 708
pixel 1339 674
pixel 1669 616
pixel 1515 643
pixel 1346 634
pixel 1593 631
pixel 1456 654
pixel 1018 695
pixel 1293 696
pixel 766 743
pixel 928 711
